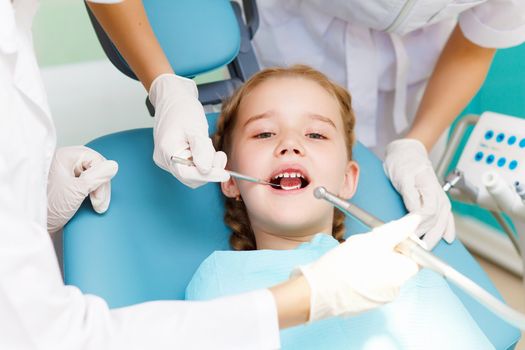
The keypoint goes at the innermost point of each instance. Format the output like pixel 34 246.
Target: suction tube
pixel 506 198
pixel 426 259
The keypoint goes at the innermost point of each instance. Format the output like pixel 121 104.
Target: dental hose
pixel 428 260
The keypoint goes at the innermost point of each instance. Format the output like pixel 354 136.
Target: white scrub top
pixel 382 51
pixel 36 309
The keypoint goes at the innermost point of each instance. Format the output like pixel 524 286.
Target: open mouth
pixel 290 179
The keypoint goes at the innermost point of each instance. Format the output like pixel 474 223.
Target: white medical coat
pixel 36 310
pixel 383 51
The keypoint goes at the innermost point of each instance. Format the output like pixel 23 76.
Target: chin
pixel 297 217
pixel 301 224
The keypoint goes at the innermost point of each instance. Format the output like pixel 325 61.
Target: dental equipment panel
pixel 232 173
pixel 496 146
pixel 491 170
pixel 426 259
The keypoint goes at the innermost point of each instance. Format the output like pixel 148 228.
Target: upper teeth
pixel 288 175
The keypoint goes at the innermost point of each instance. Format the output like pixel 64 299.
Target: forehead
pixel 290 96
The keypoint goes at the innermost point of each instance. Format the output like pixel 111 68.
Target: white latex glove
pixel 181 130
pixel 75 173
pixel 362 273
pixel 408 167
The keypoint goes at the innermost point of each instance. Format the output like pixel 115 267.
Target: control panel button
pixel 490 159
pixel 513 164
pixel 500 137
pixel 489 134
pixel 478 156
pixel 502 161
pixel 511 140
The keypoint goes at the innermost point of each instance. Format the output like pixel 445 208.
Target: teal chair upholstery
pixel 157 231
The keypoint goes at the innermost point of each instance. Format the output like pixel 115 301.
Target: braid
pixel 236 218
pixel 338 226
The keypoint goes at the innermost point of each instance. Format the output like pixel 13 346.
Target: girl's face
pixel 290 131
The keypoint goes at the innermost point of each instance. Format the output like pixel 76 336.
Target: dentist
pixel 37 311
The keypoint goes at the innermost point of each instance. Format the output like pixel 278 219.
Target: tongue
pixel 290 183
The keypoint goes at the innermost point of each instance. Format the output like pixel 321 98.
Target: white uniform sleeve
pixel 495 23
pixel 39 309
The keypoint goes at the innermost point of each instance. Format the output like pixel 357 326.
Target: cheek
pixel 254 199
pixel 238 159
pixel 252 159
pixel 334 168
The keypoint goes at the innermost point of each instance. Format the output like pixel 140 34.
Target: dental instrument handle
pixel 426 259
pixel 250 179
pixel 182 161
pixel 348 208
pixel 232 173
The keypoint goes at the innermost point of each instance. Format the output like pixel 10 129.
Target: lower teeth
pixel 288 188
pixel 290 183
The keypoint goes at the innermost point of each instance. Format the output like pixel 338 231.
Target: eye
pixel 316 135
pixel 264 135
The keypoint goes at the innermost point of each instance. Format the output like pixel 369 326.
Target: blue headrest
pixel 210 23
pixel 206 35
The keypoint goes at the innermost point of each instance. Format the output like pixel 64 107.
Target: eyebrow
pixel 323 119
pixel 257 117
pixel 271 114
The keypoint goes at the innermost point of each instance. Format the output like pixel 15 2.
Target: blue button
pixel 490 159
pixel 489 134
pixel 511 140
pixel 500 137
pixel 513 165
pixel 522 143
pixel 502 161
pixel 478 156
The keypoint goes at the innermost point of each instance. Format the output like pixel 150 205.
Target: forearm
pixel 458 75
pixel 292 299
pixel 127 25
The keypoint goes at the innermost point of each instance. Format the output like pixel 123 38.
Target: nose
pixel 290 145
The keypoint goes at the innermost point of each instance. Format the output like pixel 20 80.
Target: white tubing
pixel 426 259
pixel 504 196
pixel 499 190
pixel 429 260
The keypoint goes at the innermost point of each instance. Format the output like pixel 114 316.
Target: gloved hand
pixel 181 130
pixel 408 167
pixel 76 172
pixel 362 273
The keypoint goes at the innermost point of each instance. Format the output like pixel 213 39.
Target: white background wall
pixel 92 99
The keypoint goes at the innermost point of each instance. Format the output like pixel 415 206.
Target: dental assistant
pixel 39 312
pixel 410 65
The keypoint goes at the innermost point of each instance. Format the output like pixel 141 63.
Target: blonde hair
pixel 236 215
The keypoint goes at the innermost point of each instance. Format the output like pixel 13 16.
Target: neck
pixel 283 240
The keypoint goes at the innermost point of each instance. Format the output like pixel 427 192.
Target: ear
pixel 350 181
pixel 230 189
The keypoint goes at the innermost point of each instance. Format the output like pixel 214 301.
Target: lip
pixel 288 168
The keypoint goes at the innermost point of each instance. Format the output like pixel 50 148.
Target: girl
pixel 295 128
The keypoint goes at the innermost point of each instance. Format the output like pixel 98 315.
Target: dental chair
pixel 157 231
